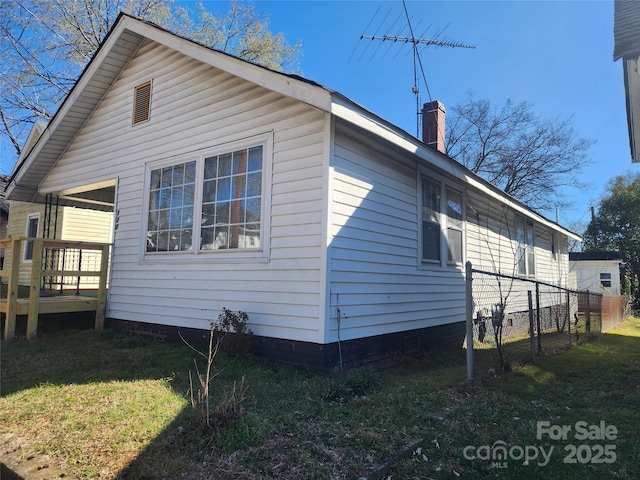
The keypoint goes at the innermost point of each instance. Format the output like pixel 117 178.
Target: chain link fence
pixel 516 320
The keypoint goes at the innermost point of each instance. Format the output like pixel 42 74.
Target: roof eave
pixel 122 35
pixel 350 111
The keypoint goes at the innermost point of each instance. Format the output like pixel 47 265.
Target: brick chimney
pixel 433 118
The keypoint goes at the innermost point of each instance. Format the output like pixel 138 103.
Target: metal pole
pixel 532 334
pixel 538 317
pixel 569 316
pixel 469 319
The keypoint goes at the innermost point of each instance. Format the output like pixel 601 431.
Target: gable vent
pixel 141 103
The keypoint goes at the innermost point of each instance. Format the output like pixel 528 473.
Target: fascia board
pixel 84 80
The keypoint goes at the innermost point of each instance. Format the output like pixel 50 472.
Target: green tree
pixel 510 146
pixel 45 44
pixel 615 227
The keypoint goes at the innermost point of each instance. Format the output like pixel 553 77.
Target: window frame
pixel 525 247
pixel 606 279
pixel 443 222
pixel 196 254
pixel 555 246
pixel 27 255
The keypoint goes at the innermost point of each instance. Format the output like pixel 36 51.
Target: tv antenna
pixel 417 42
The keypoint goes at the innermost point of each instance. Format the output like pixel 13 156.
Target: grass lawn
pixel 105 405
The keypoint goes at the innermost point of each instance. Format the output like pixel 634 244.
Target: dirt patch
pixel 19 462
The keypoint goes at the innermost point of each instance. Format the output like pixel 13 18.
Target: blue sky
pixel 556 55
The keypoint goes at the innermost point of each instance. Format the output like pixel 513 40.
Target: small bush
pixel 235 338
pixel 230 406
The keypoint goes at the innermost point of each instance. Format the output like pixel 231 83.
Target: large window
pixel 525 253
pixel 442 222
pixel 210 203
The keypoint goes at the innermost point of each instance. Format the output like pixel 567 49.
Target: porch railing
pixel 49 266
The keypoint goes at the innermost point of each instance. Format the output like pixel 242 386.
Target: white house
pixel 342 236
pixel 597 272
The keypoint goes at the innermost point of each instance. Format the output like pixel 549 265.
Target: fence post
pixel 587 327
pixel 532 334
pixel 12 289
pixel 469 319
pixel 538 317
pixel 569 315
pixel 34 289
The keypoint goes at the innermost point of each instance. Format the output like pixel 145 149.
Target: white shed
pixel 597 272
pixel 342 236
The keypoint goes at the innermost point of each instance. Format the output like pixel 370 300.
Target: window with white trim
pixel 454 225
pixel 430 220
pixel 210 203
pixel 605 280
pixel 33 220
pixel 554 246
pixel 525 253
pixel 442 231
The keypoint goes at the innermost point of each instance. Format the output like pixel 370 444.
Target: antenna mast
pixel 417 61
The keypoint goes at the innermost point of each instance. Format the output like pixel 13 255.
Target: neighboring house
pixel 50 220
pixel 597 272
pixel 342 236
pixel 626 32
pixel 29 219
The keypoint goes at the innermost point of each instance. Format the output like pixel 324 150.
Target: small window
pixel 454 226
pixel 554 246
pixel 31 232
pixel 525 253
pixel 605 280
pixel 141 103
pixel 442 223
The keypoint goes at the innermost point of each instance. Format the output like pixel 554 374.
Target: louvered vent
pixel 141 103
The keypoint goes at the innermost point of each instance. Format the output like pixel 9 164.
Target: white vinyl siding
pixel 492 241
pixel 376 285
pixel 86 225
pixel 196 108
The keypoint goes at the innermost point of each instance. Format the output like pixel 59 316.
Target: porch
pixel 44 276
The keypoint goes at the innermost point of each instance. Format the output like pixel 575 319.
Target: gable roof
pixel 120 46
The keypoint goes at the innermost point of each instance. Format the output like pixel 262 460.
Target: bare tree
pixel 526 156
pixel 45 44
